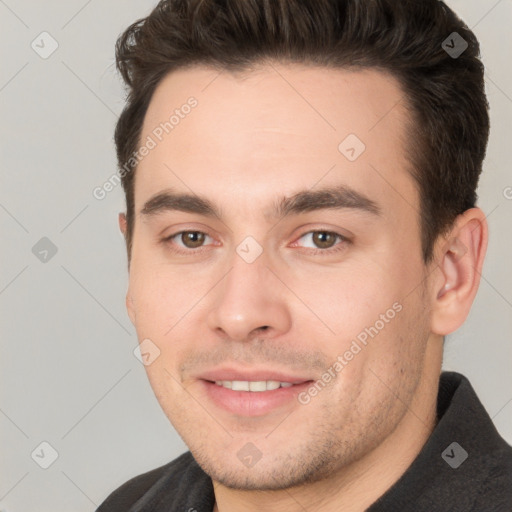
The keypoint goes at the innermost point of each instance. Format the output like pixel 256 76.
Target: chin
pixel 267 476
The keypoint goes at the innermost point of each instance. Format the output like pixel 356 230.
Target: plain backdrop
pixel 69 375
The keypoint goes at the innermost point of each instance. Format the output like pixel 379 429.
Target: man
pixel 302 233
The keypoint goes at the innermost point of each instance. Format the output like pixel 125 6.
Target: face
pixel 269 248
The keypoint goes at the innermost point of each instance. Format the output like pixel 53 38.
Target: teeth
pixel 245 385
pixel 240 385
pixel 271 384
pixel 258 386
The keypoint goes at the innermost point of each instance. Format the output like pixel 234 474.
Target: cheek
pixel 346 301
pixel 162 297
pixel 168 312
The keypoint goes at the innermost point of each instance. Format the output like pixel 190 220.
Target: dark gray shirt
pixel 465 466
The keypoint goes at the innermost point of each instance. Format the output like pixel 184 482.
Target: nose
pixel 249 301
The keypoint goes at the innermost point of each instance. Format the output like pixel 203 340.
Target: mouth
pixel 256 386
pixel 252 396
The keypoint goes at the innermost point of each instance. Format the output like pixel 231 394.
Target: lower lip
pixel 252 403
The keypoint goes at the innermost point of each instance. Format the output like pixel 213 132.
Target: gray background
pixel 69 376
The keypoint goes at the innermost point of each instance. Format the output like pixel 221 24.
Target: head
pixel 313 197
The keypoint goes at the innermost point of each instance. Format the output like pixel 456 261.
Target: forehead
pixel 275 128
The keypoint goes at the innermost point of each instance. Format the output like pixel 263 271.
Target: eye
pixel 187 240
pixel 324 241
pixel 320 241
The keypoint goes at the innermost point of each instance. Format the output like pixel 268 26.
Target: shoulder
pixel 496 488
pixel 484 477
pixel 172 479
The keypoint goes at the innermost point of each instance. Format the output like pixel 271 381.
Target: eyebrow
pixel 332 198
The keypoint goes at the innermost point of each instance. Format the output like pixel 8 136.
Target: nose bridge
pixel 249 297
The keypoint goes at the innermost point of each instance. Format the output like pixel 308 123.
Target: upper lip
pixel 251 375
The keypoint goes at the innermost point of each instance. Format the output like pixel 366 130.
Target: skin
pixel 252 139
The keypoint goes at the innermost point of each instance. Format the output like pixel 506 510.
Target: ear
pixel 122 223
pixel 129 299
pixel 460 257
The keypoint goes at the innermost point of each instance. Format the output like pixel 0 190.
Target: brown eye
pixel 324 239
pixel 323 242
pixel 192 239
pixel 188 243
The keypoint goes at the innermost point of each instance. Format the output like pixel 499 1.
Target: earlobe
pixel 122 223
pixel 460 261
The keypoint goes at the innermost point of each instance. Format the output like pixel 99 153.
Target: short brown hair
pixel 445 92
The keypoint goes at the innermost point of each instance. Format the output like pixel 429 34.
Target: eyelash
pixel 338 247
